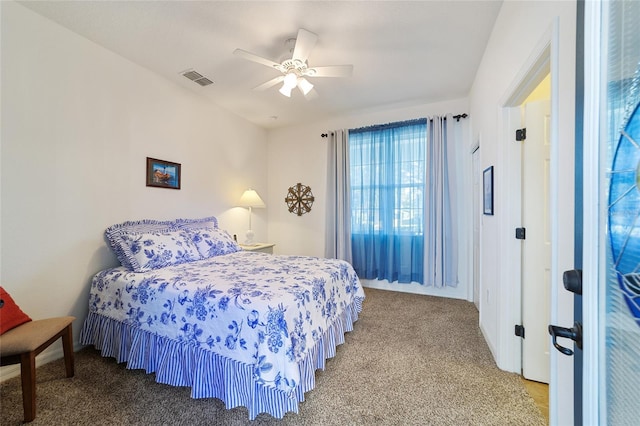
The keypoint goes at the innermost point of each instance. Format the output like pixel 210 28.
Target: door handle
pixel 572 280
pixel 574 333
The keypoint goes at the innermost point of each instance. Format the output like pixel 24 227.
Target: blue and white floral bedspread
pixel 259 309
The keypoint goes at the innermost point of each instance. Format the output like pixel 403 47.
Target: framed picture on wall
pixel 487 185
pixel 163 174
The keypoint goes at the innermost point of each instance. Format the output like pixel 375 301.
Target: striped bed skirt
pixel 208 374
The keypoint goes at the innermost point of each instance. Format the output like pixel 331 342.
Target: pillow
pixel 11 315
pixel 213 242
pixel 192 224
pixel 117 241
pixel 153 250
pixel 115 236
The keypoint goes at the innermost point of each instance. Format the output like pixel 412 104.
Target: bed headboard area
pixel 148 244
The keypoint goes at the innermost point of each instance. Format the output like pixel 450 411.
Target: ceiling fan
pixel 296 69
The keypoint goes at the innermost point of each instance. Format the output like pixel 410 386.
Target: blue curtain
pixel 388 200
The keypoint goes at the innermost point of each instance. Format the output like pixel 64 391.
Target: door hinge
pixel 519 330
pixel 521 134
pixel 520 233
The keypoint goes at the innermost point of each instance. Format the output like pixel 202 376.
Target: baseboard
pixel 416 288
pixel 491 348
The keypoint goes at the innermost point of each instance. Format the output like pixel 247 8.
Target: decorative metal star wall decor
pixel 299 199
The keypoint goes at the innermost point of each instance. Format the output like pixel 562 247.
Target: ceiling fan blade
pixel 331 71
pixel 270 83
pixel 305 42
pixel 255 58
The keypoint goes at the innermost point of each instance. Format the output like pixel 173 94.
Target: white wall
pixel 77 125
pixel 519 29
pixel 299 154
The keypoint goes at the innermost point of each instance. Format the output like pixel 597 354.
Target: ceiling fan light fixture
pixel 285 90
pixel 304 86
pixel 290 80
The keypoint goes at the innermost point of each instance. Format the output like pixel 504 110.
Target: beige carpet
pixel 410 360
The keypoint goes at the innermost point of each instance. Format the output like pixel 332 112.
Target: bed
pixel 192 307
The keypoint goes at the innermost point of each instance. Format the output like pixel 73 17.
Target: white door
pixel 477 213
pixel 536 247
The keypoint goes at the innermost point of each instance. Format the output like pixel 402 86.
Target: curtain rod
pixel 457 117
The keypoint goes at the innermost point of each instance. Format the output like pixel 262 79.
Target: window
pixel 387 171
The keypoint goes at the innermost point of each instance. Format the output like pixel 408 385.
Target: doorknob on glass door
pixel 574 333
pixel 572 280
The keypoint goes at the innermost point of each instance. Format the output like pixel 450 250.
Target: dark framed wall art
pixel 163 174
pixel 487 193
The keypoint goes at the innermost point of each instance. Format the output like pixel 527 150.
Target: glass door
pixel 611 302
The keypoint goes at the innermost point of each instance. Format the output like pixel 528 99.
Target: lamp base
pixel 249 235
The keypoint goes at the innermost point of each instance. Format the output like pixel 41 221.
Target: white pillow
pixel 213 242
pixel 115 234
pixel 193 224
pixel 153 250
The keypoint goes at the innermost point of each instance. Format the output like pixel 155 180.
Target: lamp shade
pixel 285 90
pixel 304 86
pixel 290 80
pixel 250 198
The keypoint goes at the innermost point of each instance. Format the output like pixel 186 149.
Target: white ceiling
pixel 403 52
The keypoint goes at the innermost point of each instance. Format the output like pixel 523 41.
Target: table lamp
pixel 251 199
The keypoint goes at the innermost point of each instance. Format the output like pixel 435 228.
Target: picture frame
pixel 487 193
pixel 163 174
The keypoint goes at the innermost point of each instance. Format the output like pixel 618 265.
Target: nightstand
pixel 259 247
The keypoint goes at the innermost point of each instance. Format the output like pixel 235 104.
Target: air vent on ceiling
pixel 197 77
pixel 204 81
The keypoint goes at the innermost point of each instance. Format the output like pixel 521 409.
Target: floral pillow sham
pixel 155 250
pixel 213 242
pixel 115 236
pixel 150 244
pixel 191 224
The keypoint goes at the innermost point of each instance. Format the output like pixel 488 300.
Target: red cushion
pixel 11 315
